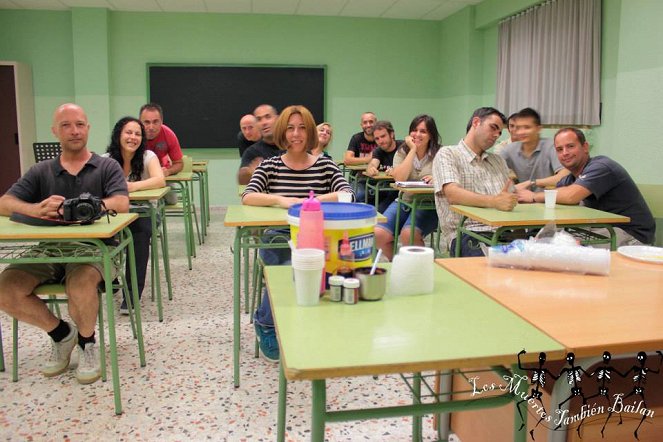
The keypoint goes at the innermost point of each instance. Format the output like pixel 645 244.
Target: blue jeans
pixel 271 257
pixel 425 222
pixel 360 194
pixel 468 246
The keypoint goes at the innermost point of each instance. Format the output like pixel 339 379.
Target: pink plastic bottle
pixel 311 228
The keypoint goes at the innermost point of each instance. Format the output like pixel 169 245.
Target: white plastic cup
pixel 550 198
pixel 308 265
pixel 344 197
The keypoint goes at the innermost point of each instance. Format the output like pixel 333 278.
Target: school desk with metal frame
pixel 376 183
pixel 422 199
pixel 182 180
pixel 144 199
pixel 199 169
pixel 250 223
pixel 577 219
pixel 454 327
pixel 588 314
pixel 354 173
pixel 18 246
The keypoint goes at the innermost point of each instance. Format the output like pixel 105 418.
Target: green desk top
pixel 240 215
pixel 531 214
pixel 149 194
pixel 100 229
pixel 456 326
pixel 182 176
pixel 381 176
pixel 356 167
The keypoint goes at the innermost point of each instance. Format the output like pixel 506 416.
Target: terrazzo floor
pixel 186 390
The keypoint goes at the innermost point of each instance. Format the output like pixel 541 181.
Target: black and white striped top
pixel 273 176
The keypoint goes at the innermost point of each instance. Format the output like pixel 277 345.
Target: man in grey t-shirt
pixel 532 159
pixel 600 183
pixel 40 193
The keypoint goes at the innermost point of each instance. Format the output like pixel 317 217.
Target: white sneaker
pixel 58 361
pixel 89 368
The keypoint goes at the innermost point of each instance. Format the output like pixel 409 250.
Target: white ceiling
pixel 403 9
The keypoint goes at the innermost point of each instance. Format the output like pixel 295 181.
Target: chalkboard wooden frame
pixel 203 103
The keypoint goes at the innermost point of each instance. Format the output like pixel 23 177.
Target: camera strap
pixel 42 222
pixel 37 221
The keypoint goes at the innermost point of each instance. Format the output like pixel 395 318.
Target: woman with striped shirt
pixel 286 180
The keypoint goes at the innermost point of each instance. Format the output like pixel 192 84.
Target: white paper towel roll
pixel 411 271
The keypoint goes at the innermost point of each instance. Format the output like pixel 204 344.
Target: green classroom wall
pixel 397 68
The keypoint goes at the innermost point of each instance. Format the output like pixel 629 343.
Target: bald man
pixel 249 133
pixel 40 193
pixel 266 116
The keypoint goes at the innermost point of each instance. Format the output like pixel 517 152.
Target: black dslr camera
pixel 84 210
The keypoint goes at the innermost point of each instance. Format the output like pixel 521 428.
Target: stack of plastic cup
pixel 307 266
pixel 550 198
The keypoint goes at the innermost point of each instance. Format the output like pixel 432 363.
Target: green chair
pixel 54 294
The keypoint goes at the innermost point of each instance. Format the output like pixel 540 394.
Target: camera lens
pixel 83 211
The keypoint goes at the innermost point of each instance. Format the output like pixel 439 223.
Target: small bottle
pixel 351 290
pixel 336 288
pixel 346 264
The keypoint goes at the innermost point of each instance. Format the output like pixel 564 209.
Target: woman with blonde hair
pixel 325 134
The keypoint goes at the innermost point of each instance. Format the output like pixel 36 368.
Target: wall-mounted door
pixel 17 122
pixel 9 149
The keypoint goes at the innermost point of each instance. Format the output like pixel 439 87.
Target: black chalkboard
pixel 203 104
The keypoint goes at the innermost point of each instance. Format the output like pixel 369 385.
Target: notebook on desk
pixel 414 184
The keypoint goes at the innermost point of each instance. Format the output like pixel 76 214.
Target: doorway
pixel 9 148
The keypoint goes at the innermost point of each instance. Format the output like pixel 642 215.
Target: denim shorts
pixel 426 221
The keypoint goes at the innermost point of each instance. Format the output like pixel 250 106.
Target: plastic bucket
pixel 355 218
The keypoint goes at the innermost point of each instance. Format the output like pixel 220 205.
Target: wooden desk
pixel 144 198
pixel 534 216
pixel 620 313
pixel 250 222
pixel 18 240
pixel 395 335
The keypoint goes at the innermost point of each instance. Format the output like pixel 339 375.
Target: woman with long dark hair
pixel 413 162
pixel 143 171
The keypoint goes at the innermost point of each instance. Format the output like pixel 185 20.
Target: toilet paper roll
pixel 411 271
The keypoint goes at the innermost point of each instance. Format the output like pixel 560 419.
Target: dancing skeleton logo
pixel 573 374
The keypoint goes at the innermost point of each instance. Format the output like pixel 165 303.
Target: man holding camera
pixel 40 192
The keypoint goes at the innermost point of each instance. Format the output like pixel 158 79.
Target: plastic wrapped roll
pixel 549 256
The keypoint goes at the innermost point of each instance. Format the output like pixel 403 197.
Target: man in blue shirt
pixel 600 183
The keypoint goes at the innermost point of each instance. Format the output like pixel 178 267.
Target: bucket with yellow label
pixel 355 218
